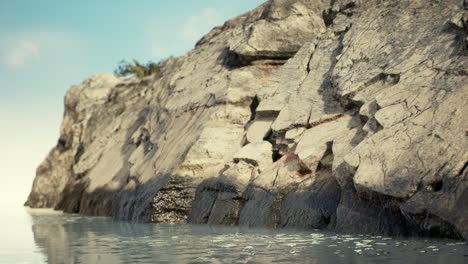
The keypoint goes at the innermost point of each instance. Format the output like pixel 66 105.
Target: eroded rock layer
pixel 342 115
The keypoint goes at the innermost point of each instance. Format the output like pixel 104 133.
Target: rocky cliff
pixel 332 114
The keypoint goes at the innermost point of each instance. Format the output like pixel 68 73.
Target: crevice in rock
pixel 248 161
pixel 232 60
pixel 460 29
pixel 62 145
pixel 79 153
pixel 268 136
pixel 327 160
pixel 374 125
pixel 144 139
pixel 213 193
pixel 463 169
pixel 323 121
pixel 279 149
pixel 327 220
pixel 429 225
pixel 335 103
pixel 304 170
pixel 253 107
pixel 348 104
pixel 268 114
pixel 390 78
pixel 276 155
pixel 308 69
pixel 133 178
pixel 79 176
pixel 364 119
pixel 330 14
pixel 435 186
pixel 378 126
pixel 271 62
pixel 340 32
pixel 244 141
pixel 443 171
pixel 367 119
pixel 385 78
pixel 215 102
pixel 378 198
pixel 453 71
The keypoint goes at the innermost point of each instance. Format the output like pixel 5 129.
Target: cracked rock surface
pixel 342 115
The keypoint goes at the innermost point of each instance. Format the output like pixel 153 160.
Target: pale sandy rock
pixel 392 115
pixel 258 130
pixel 343 144
pixel 292 115
pixel 309 114
pixel 278 91
pixel 295 21
pixel 241 172
pixel 257 153
pixel 313 144
pixel 294 134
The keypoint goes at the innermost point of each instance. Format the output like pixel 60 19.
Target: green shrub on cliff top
pixel 138 69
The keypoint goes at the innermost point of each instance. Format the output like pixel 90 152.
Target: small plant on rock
pixel 138 69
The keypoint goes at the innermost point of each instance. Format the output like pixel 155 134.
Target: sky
pixel 49 45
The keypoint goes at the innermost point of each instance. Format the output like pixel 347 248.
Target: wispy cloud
pixel 22 53
pixel 198 25
pixel 22 49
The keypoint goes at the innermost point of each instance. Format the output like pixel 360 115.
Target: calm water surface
pixel 58 238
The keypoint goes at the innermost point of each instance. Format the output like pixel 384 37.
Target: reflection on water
pixel 77 239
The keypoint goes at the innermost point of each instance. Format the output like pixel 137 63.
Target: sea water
pixel 44 236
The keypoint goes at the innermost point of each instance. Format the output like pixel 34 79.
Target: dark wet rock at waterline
pixel 339 115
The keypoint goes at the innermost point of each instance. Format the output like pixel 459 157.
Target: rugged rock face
pixel 340 115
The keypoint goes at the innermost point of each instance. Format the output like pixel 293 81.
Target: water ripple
pixel 76 239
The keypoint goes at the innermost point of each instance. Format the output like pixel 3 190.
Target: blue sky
pixel 46 46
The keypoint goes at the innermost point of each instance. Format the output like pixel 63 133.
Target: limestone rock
pixel 313 144
pixel 258 130
pixel 295 21
pixel 308 114
pixel 259 154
